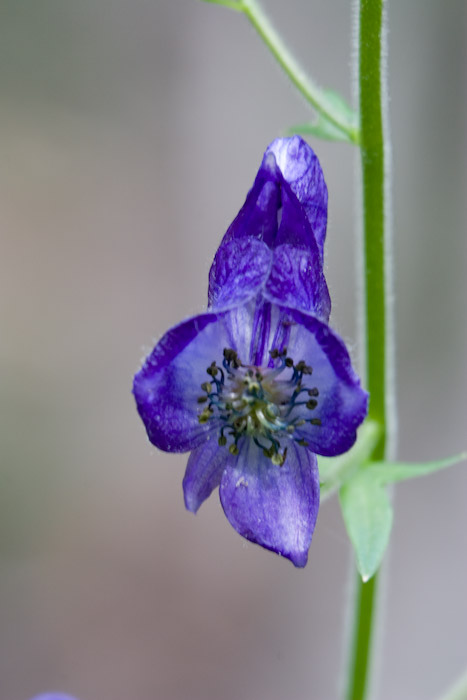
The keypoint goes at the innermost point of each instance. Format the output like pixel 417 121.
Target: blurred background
pixel 130 133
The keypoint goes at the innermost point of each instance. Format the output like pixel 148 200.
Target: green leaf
pixel 322 128
pixel 334 471
pixel 367 510
pixel 367 514
pixel 338 104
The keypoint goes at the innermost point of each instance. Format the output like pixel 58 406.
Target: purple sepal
pixel 286 208
pixel 258 217
pixel 301 169
pixel 167 386
pixel 342 404
pixel 239 270
pixel 286 275
pixel 204 472
pixel 297 281
pixel 275 507
pixel 288 200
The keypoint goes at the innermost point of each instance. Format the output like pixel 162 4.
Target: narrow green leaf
pixel 390 472
pixel 367 514
pixel 334 471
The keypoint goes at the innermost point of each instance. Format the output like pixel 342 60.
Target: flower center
pixel 267 404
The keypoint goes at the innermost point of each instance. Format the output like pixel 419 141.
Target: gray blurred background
pixel 130 133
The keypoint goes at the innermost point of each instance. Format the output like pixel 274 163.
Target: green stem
pixel 312 93
pixel 458 691
pixel 360 662
pixel 375 245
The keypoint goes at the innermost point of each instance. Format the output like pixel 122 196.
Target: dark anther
pixel 274 354
pixel 205 415
pixel 303 443
pixel 212 369
pixel 303 368
pixel 313 392
pixel 231 356
pixel 202 399
pixel 311 404
pixel 222 440
pixel 288 362
pixel 315 421
pixel 207 387
pixel 278 458
pixel 233 449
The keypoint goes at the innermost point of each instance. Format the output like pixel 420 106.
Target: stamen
pixel 303 368
pixel 205 415
pixel 253 403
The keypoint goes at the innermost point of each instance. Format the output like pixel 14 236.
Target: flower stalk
pixel 313 94
pixel 374 147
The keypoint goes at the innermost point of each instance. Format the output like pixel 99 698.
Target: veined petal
pixel 204 472
pixel 239 270
pixel 341 403
pixel 297 281
pixel 168 385
pixel 276 507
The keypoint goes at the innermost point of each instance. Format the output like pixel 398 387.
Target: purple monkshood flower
pixel 259 385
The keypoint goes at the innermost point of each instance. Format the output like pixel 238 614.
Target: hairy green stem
pixel 360 661
pixel 312 93
pixel 375 247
